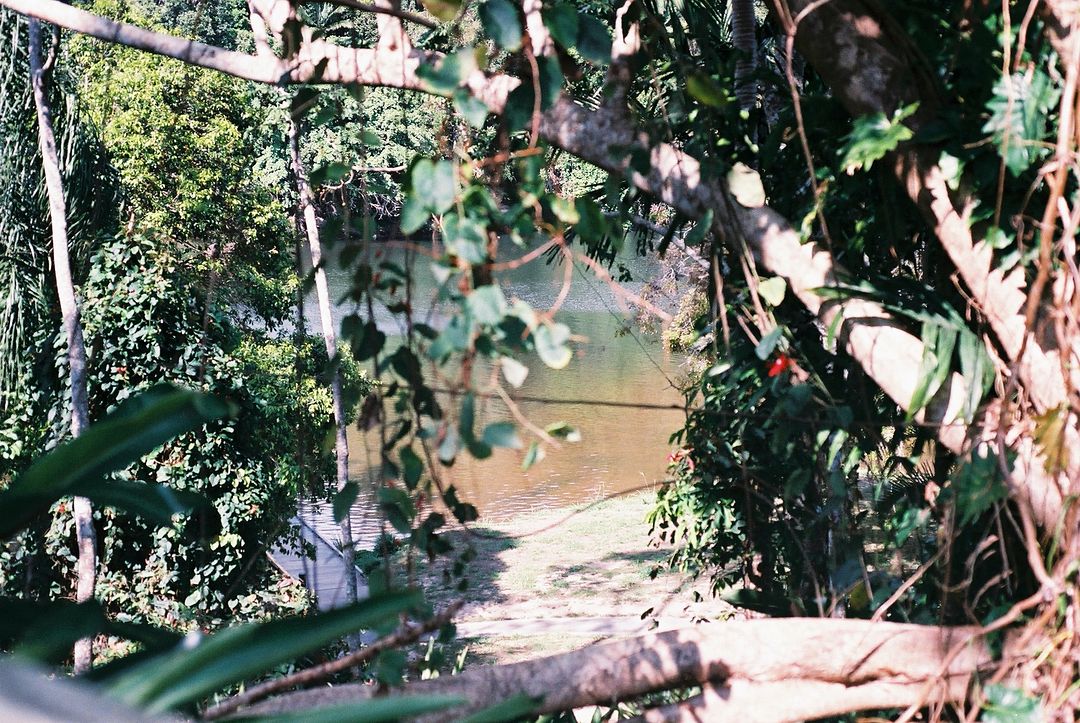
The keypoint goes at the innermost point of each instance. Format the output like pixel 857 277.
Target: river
pixel 621 447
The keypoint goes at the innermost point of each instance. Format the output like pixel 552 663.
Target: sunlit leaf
pixel 772 290
pixel 1050 428
pixel 745 185
pixel 706 90
pixel 873 136
pixel 534 454
pixel 552 345
pixel 513 371
pixel 445 10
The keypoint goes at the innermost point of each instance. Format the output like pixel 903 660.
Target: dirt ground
pixel 585 562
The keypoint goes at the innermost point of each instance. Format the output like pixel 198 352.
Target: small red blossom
pixel 780 364
pixel 681 455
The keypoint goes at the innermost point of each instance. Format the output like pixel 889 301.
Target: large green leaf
pixel 501 23
pixel 47 630
pixel 154 503
pixel 433 184
pixel 78 467
pixel 561 21
pixel 1019 109
pixel 189 672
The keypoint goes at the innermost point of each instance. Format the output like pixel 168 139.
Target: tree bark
pixel 341 440
pixel 86 537
pixel 745 41
pixel 842 665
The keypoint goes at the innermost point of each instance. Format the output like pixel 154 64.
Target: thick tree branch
pixel 742 701
pixel 883 660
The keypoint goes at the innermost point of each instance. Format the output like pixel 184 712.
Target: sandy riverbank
pixel 588 562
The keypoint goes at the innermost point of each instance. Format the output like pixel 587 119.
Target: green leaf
pixel 344 499
pixel 551 345
pixel 513 371
pixel 465 238
pixel 487 304
pixel 772 290
pixel 474 110
pixel 153 502
pixel 700 230
pixel 398 507
pixel 414 215
pixel 330 173
pixel 501 24
pixel 768 343
pixel 450 446
pixel 449 73
pixel 591 226
pixel 463 511
pixel 745 185
pixel 445 10
pixel 1003 704
pixel 375 710
pixel 978 486
pixel 534 454
pixel 1019 109
pixel 46 631
pixel 502 434
pixel 706 90
pixel 135 429
pixel 938 344
pixel 564 431
pixel 594 40
pixel 366 341
pixel 873 136
pixel 412 467
pixel 565 210
pixel 561 21
pixel 190 672
pixel 434 184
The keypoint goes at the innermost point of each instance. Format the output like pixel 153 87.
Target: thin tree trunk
pixel 744 40
pixel 307 206
pixel 69 309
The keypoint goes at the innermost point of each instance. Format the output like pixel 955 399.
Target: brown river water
pixel 621 447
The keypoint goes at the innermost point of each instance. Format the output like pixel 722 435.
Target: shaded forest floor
pixel 596 566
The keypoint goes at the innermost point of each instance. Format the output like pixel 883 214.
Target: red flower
pixel 780 364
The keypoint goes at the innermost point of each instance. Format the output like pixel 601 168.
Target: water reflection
pixel 621 447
